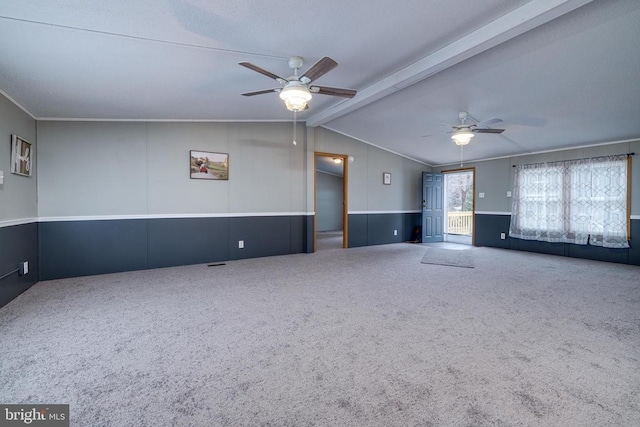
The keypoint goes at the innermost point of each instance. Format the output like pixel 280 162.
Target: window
pixel 576 201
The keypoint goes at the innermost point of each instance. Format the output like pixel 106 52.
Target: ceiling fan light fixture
pixel 295 96
pixel 462 136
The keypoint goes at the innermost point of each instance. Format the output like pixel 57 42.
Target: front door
pixel 432 207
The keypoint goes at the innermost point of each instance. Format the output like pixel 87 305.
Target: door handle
pixel 424 204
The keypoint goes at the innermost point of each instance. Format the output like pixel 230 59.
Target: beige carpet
pixel 358 337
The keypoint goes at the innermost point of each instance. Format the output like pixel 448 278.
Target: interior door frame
pixel 473 202
pixel 345 195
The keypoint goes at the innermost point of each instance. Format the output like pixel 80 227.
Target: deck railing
pixel 460 223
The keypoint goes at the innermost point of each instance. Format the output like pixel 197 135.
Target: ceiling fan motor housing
pixel 295 62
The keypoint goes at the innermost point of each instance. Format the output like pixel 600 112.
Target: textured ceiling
pixel 560 73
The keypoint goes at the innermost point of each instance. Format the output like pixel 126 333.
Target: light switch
pixel 481 195
pixel 508 193
pixel 1 177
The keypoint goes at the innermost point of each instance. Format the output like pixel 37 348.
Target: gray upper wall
pixel 139 168
pixel 18 194
pixel 495 177
pixel 366 192
pixel 120 168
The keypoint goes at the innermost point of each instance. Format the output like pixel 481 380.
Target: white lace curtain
pixel 575 201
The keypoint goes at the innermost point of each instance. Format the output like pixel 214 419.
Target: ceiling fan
pixel 296 91
pixel 463 132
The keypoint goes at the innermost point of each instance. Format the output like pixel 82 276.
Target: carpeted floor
pixel 451 257
pixel 328 240
pixel 358 337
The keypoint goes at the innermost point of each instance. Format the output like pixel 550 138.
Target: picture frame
pixel 386 178
pixel 208 165
pixel 21 156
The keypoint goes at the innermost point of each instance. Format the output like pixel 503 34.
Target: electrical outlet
pixel 481 195
pixel 395 232
pixel 503 236
pixel 240 244
pixel 23 268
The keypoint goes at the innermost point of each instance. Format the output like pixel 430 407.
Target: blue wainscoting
pixel 176 241
pixel 377 228
pixel 18 243
pixel 81 248
pixel 489 227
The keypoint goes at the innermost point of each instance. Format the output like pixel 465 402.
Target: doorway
pixel 459 206
pixel 448 206
pixel 330 201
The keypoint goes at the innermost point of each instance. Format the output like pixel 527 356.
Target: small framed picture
pixel 386 178
pixel 21 154
pixel 207 165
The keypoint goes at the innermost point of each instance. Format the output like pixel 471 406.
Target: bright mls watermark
pixel 34 415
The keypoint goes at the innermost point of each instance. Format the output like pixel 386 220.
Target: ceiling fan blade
pixel 489 122
pixel 333 91
pixel 436 134
pixel 261 71
pixel 319 69
pixel 260 92
pixel 476 130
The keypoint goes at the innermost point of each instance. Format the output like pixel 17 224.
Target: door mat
pixel 451 257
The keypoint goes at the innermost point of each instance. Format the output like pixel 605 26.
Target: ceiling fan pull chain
pixel 461 147
pixel 295 117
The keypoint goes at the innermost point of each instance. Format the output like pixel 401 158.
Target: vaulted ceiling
pixel 559 73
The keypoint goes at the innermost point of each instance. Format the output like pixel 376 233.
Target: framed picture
pixel 386 178
pixel 21 155
pixel 206 165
